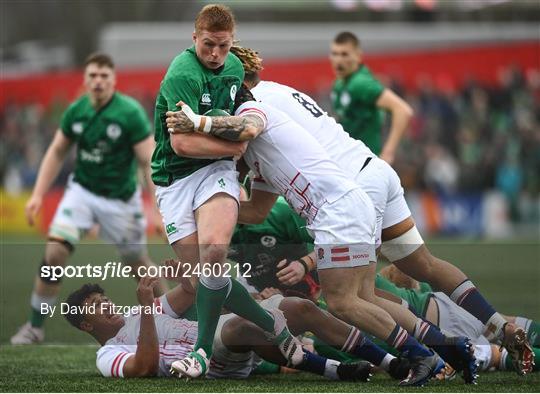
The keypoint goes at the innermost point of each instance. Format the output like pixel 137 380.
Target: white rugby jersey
pixel 350 154
pixel 288 161
pixel 176 338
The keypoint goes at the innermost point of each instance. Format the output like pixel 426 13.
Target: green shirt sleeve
pixel 365 89
pixel 66 123
pixel 180 87
pixel 139 126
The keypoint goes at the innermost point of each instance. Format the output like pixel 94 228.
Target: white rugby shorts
pixel 122 223
pixel 383 186
pixel 178 202
pixel 344 232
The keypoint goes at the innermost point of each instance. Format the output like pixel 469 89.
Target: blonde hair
pixel 250 59
pixel 215 17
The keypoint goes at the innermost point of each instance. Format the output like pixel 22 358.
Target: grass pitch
pixel 507 273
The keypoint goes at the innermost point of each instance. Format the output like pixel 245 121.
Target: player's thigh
pixel 216 205
pixel 123 223
pixel 73 216
pixel 339 285
pixel 344 232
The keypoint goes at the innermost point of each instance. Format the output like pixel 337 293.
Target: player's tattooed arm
pixel 237 128
pixel 232 128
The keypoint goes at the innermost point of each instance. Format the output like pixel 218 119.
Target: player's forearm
pixel 401 118
pixel 147 354
pixel 48 171
pixel 236 128
pixel 196 145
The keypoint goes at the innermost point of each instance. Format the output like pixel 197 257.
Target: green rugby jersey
pixel 200 88
pixel 106 163
pixel 418 299
pixel 354 105
pixel 282 235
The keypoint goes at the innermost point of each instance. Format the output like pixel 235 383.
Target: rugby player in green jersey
pixel 358 98
pixel 197 188
pixel 113 138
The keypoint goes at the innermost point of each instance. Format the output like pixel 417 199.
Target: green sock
pixel 36 318
pixel 241 303
pixel 209 303
pixel 266 368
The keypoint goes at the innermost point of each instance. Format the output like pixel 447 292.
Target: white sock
pixel 330 369
pixel 523 322
pixel 36 300
pixel 385 363
pixel 494 328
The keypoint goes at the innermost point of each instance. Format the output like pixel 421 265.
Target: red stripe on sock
pixel 462 297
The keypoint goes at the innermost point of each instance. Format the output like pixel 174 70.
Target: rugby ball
pixel 216 112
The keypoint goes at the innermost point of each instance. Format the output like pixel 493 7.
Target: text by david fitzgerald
pixel 103 308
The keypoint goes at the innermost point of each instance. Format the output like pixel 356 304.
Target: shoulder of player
pixel 185 66
pixel 362 76
pixel 127 102
pixel 82 103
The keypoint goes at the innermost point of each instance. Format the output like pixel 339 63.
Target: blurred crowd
pixel 462 140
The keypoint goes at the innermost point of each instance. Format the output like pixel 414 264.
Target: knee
pixel 57 252
pixel 338 307
pixel 213 253
pixel 300 307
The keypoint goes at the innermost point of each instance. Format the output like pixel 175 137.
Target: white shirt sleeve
pixel 111 359
pixel 253 108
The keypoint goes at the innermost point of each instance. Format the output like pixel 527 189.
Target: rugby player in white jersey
pixel 288 161
pixel 148 340
pixel 402 244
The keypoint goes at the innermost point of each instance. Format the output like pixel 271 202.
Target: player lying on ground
pixel 147 344
pixel 440 310
pixel 113 137
pixel 402 244
pixel 340 217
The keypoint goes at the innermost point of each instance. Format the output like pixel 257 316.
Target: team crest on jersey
pixel 206 99
pixel 345 99
pixel 233 92
pixel 113 131
pixel 77 128
pixel 268 241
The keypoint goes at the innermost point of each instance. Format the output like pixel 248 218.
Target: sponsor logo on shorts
pixel 320 253
pixel 360 256
pixel 221 183
pixel 171 228
pixel 67 212
pixel 268 241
